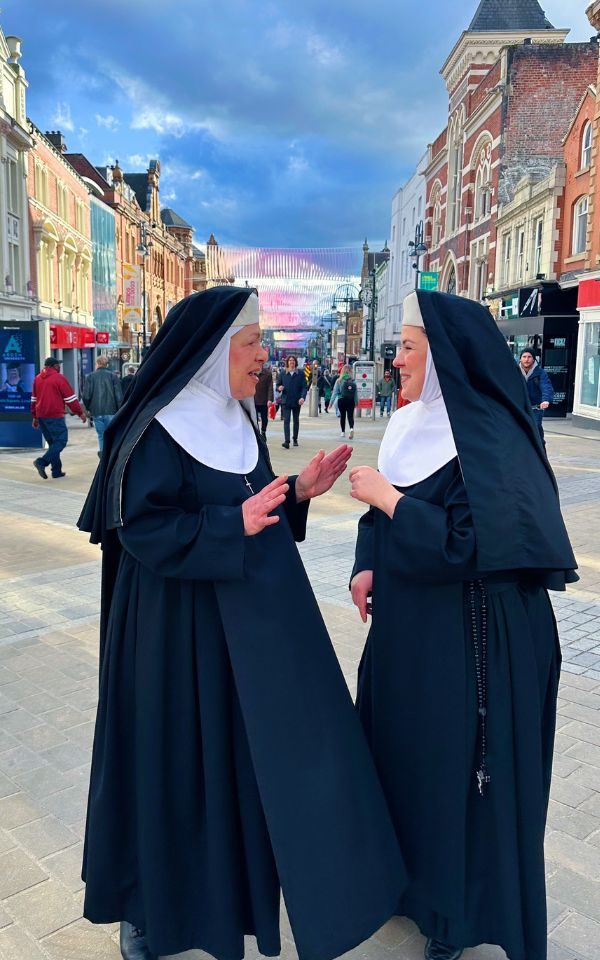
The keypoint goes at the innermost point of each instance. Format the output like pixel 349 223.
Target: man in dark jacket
pixel 292 388
pixel 102 397
pixel 262 398
pixel 51 391
pixel 539 387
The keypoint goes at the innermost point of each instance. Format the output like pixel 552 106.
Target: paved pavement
pixel 48 665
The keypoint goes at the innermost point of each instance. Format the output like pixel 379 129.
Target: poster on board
pixel 19 363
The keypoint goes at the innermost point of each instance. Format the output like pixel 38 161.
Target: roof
pixel 509 15
pixel 140 186
pixel 172 219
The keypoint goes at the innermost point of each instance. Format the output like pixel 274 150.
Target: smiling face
pixel 411 361
pixel 246 357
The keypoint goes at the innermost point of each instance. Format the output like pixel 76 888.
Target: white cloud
pixel 83 132
pixel 108 121
pixel 137 162
pixel 169 197
pixel 323 52
pixel 62 118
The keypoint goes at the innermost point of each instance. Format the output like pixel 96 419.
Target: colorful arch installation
pixel 296 287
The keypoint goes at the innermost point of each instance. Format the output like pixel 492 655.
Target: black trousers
pixel 262 416
pixel 346 407
pixel 287 413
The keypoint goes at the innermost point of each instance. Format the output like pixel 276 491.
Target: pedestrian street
pixel 48 681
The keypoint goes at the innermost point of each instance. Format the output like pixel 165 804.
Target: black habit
pixel 484 531
pixel 228 760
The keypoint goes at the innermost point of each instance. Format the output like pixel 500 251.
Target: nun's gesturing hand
pixel 320 474
pixel 257 510
pixel 371 487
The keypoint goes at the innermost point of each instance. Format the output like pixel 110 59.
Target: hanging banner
pixel 132 297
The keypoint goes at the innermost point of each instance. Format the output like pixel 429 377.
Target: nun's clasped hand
pixel 371 487
pixel 321 472
pixel 257 510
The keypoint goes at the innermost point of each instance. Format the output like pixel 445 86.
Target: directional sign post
pixel 364 377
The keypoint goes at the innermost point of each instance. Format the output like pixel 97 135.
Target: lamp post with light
pixel 143 250
pixel 417 249
pixel 346 293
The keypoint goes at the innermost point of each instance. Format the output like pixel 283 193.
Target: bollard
pixel 313 401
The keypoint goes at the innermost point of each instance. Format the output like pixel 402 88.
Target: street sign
pixel 364 378
pixel 429 280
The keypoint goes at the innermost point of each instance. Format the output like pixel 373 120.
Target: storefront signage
pixel 589 294
pixel 68 336
pixel 102 336
pixel 429 280
pixel 132 297
pixel 364 377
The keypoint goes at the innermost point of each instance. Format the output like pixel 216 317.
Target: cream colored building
pixel 527 233
pixel 15 280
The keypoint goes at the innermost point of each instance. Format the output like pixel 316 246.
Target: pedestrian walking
pixel 230 762
pixel 102 397
pixel 127 381
pixel 539 386
pixel 51 391
pixel 321 387
pixel 329 378
pixel 345 394
pixel 292 388
pixel 385 389
pixel 462 542
pixel 263 397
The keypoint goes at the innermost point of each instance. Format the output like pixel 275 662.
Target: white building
pixel 408 209
pixel 15 287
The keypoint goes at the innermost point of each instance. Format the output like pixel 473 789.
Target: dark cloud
pixel 302 118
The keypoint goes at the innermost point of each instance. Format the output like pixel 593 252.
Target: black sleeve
pixel 118 391
pixel 433 543
pixel 364 555
pixel 172 541
pixel 296 513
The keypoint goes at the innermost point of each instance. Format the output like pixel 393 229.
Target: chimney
pixel 57 140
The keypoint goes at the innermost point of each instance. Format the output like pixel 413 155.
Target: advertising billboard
pixel 19 363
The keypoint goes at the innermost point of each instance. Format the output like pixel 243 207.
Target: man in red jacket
pixel 50 393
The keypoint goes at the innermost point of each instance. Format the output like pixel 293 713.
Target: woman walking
pixel 463 539
pixel 228 759
pixel 346 394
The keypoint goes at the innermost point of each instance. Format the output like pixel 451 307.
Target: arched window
pixel 586 145
pixel 483 186
pixel 436 215
pixel 451 281
pixel 580 220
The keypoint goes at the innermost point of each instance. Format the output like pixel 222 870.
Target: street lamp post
pixel 143 249
pixel 416 249
pixel 369 298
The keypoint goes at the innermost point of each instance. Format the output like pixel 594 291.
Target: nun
pixel 228 763
pixel 463 539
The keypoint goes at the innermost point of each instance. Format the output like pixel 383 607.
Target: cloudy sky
pixel 287 123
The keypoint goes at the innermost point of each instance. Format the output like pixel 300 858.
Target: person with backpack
pixel 346 394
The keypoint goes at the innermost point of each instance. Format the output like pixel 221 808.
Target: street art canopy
pixel 296 287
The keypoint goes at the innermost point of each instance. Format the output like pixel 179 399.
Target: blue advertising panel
pixel 19 363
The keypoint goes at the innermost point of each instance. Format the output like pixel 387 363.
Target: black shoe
pixel 436 950
pixel 40 466
pixel 295 443
pixel 286 445
pixel 133 943
pixel 57 476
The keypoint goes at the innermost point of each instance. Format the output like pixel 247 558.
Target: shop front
pixel 74 346
pixel 586 409
pixel 545 318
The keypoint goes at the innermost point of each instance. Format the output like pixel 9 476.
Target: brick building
pixel 154 244
pixel 513 88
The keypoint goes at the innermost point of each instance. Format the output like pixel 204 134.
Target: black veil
pixel 510 485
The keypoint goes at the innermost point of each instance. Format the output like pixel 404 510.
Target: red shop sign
pixel 102 336
pixel 589 294
pixel 68 336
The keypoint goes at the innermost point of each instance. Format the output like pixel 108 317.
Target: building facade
pixel 61 257
pixel 513 88
pixel 408 210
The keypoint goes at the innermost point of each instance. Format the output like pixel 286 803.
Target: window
pixel 538 238
pixel 506 255
pixel 14 233
pixel 580 218
pixel 61 197
pixel 479 259
pixel 436 215
pixel 79 224
pixel 586 145
pixel 41 184
pixel 451 282
pixel 590 374
pixel 483 187
pixel 455 177
pixel 68 282
pixel 520 253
